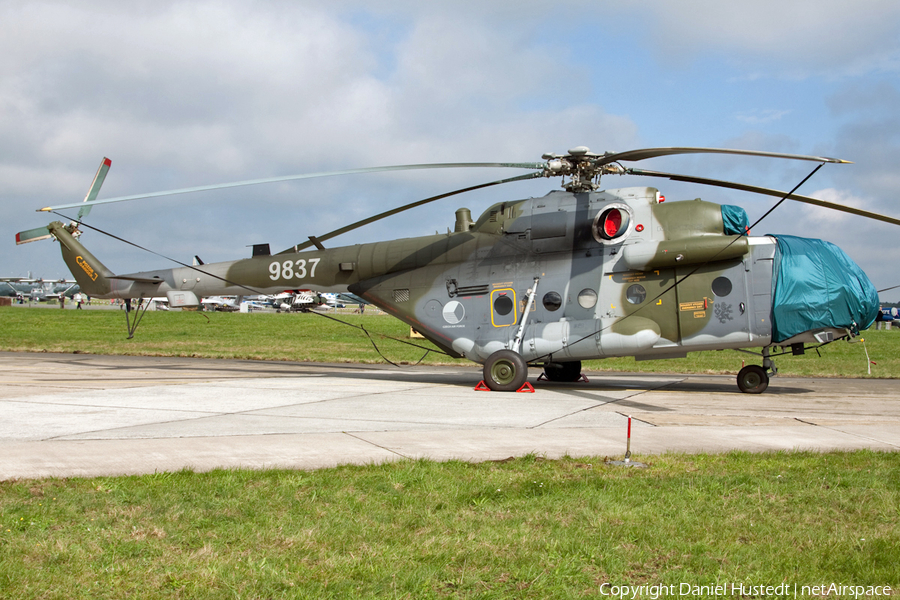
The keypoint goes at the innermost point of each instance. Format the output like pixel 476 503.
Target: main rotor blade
pixel 766 191
pixel 384 215
pixel 654 152
pixel 219 186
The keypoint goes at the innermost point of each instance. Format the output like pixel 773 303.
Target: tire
pixel 753 379
pixel 505 371
pixel 567 372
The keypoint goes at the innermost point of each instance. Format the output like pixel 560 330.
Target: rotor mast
pixel 582 166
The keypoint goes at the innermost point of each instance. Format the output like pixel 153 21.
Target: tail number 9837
pixel 291 269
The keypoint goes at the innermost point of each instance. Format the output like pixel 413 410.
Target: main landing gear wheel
pixel 505 371
pixel 567 372
pixel 753 379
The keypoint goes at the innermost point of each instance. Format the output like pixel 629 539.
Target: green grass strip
pixel 524 528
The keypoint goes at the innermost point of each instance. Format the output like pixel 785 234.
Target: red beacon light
pixel 612 223
pixel 660 198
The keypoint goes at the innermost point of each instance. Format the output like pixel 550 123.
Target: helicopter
pixel 578 274
pixel 39 289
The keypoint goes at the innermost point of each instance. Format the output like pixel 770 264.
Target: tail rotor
pixel 42 233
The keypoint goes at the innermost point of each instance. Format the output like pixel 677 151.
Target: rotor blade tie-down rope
pixel 366 331
pixel 177 262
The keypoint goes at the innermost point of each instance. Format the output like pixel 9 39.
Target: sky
pixel 181 94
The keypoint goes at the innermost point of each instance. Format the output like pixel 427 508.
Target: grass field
pixel 309 337
pixel 525 528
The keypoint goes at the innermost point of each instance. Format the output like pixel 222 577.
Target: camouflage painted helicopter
pixel 577 274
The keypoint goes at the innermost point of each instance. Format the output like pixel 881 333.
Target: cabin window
pixel 503 305
pixel 552 301
pixel 636 294
pixel 721 286
pixel 587 298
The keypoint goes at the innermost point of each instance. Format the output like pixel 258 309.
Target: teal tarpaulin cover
pixel 817 285
pixel 735 220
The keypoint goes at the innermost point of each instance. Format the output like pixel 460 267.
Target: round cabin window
pixel 587 298
pixel 552 301
pixel 503 304
pixel 721 286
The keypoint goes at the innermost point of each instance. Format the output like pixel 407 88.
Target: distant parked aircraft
pixel 38 289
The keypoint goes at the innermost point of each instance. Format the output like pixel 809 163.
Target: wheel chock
pixel 542 377
pixel 583 378
pixel 526 388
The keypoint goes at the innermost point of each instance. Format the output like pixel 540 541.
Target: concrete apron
pixel 68 415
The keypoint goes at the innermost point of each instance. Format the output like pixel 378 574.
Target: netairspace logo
pixel 654 592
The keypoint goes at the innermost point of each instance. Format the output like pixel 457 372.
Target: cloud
pixel 825 216
pixel 796 39
pixel 869 135
pixel 198 77
pixel 220 87
pixel 182 94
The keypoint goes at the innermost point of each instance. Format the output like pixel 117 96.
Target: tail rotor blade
pixel 32 235
pixel 95 188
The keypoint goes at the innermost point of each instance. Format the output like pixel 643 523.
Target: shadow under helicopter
pixel 461 377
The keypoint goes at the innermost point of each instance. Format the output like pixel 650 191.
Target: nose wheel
pixel 505 371
pixel 753 379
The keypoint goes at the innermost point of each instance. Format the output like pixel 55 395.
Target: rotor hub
pixel 73 229
pixel 582 166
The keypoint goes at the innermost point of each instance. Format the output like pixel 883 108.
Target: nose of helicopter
pixel 816 285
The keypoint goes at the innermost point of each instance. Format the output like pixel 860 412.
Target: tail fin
pixel 90 273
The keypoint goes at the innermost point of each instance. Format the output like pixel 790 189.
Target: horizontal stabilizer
pixel 32 235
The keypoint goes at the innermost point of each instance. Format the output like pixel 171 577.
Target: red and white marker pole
pixel 628 443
